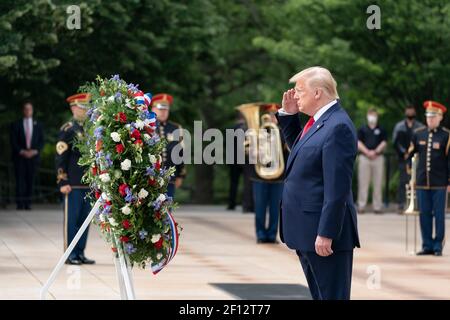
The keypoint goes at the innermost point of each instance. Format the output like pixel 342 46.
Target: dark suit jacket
pixel 317 195
pixel 17 138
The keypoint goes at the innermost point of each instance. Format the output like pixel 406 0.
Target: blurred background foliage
pixel 215 54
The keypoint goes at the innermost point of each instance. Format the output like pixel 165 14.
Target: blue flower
pixel 150 171
pixel 156 204
pixel 115 77
pixel 129 197
pixel 106 210
pixel 133 87
pixel 94 115
pixel 98 156
pixel 129 248
pixel 169 200
pixel 144 115
pixel 98 132
pixel 118 96
pixel 143 234
pixel 108 160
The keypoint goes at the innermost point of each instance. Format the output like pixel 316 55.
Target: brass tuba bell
pixel 263 140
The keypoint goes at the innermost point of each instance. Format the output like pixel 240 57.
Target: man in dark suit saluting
pixel 27 140
pixel 318 217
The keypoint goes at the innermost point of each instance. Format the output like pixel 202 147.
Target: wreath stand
pixel 121 262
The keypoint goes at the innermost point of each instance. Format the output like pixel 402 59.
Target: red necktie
pixel 308 126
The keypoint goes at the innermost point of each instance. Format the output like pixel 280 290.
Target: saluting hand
pixel 323 246
pixel 289 102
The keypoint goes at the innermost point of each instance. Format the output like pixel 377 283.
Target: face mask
pixel 371 119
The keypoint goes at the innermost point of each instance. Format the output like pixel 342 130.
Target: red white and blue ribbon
pixel 173 248
pixel 147 99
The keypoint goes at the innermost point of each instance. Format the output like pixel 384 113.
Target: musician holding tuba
pixel 431 144
pixel 270 153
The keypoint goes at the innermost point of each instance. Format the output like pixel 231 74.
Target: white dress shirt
pixel 29 122
pixel 317 115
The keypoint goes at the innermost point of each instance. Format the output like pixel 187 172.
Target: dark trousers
pixel 267 195
pixel 77 211
pixel 329 278
pixel 432 203
pixel 24 172
pixel 404 178
pixel 236 170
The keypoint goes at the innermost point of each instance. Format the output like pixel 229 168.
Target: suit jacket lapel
pixel 309 134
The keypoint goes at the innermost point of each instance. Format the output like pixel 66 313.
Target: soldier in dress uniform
pixel 161 106
pixel 69 174
pixel 432 145
pixel 267 192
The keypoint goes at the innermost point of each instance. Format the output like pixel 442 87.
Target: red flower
pixel 151 181
pixel 158 245
pixel 136 134
pixel 94 171
pixel 122 117
pixel 122 189
pixel 108 203
pixel 138 141
pixel 114 249
pixel 158 215
pixel 120 148
pixel 97 194
pixel 126 224
pixel 124 239
pixel 102 93
pixel 157 165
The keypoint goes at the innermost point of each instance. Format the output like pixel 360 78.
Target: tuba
pixel 263 136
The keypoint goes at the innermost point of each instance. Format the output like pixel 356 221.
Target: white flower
pixel 111 99
pixel 139 124
pixel 105 177
pixel 105 197
pixel 117 174
pixel 146 137
pixel 152 158
pixel 113 222
pixel 159 256
pixel 115 136
pixel 128 126
pixel 155 238
pixel 126 209
pixel 161 198
pixel 125 164
pixel 102 217
pixel 161 182
pixel 143 194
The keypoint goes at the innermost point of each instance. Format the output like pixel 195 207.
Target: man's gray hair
pixel 318 77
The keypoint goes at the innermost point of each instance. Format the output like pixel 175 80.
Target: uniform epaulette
pixel 420 129
pixel 66 126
